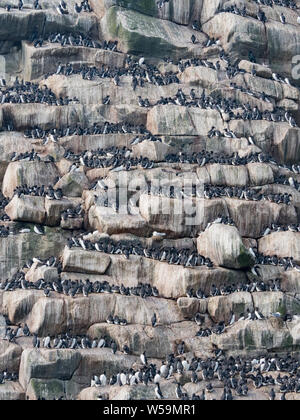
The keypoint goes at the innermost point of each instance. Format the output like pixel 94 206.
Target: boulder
pixel 73 183
pixel 282 244
pixel 81 261
pixel 40 61
pixel 220 307
pixel 16 250
pixel 10 356
pixel 260 174
pixel 48 315
pixel 78 144
pixel 253 338
pixel 18 304
pixel 30 173
pixel 181 11
pixel 54 208
pixel 261 71
pixel 36 272
pixel 178 120
pixel 141 34
pixel 101 360
pixel 43 116
pixel 224 246
pixel 46 20
pixel 11 142
pixel 156 341
pixel 48 364
pixel 225 175
pixel 251 217
pixel 106 220
pixel 278 139
pixel 204 77
pixel 268 42
pixel 140 269
pixel 27 208
pixel 90 92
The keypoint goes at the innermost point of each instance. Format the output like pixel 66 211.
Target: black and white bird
pixel 282 18
pixel 154 320
pixel 143 358
pixel 39 230
pixel 106 100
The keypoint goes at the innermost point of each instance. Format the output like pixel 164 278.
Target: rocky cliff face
pixel 149 167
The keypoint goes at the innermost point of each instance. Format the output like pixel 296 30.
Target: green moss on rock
pixel 135 33
pixel 47 389
pixel 248 339
pixel 245 259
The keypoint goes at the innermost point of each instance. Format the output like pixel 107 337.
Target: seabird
pixel 143 358
pixel 39 230
pixel 158 392
pixel 153 320
pixel 282 18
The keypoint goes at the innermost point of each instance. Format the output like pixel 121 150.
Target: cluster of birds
pixel 139 71
pixel 70 341
pixel 191 100
pixel 6 376
pixel 49 192
pixel 4 231
pixel 116 320
pixel 230 106
pixel 213 132
pixel 95 129
pixel 84 6
pixel 289 181
pixel 238 376
pixel 11 334
pixel 245 194
pixel 61 8
pixel 286 262
pixel 27 92
pixel 208 158
pixel 231 69
pixel 73 213
pixel 228 289
pixel 258 95
pixel 73 39
pixel 224 220
pixel 3 201
pixel 261 16
pixel 4 218
pixel 220 327
pixel 113 157
pixel 73 288
pixel 185 256
pixel 30 157
pixel 20 6
pixel 291 4
pixel 280 228
pixel 211 191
